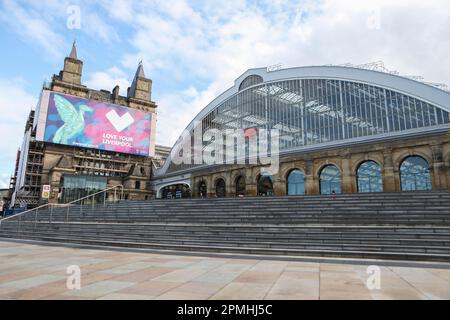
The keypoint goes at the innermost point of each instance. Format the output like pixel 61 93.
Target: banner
pixel 74 121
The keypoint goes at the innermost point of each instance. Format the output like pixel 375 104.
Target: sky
pixel 193 50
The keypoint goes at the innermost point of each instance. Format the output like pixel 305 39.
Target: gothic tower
pixel 73 68
pixel 141 88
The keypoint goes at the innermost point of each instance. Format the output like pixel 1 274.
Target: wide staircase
pixel 401 226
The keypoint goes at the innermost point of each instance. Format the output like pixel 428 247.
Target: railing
pixel 90 200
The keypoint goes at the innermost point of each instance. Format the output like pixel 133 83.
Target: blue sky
pixel 193 50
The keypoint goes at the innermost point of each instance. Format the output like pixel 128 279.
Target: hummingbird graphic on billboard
pixel 73 119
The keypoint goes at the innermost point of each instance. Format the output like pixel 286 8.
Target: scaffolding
pixel 28 194
pixel 100 163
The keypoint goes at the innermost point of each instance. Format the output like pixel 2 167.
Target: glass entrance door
pixel 76 187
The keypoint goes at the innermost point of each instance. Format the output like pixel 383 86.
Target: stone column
pixel 439 179
pixel 310 185
pixel 447 168
pixel 194 187
pixel 279 185
pixel 230 191
pixel 54 182
pixel 250 181
pixel 210 186
pixel 346 175
pixel 388 172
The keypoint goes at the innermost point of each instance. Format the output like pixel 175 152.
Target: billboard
pixel 74 121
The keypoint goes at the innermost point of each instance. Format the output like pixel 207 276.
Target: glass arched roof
pixel 318 106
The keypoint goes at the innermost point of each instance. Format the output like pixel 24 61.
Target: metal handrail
pixel 30 210
pixel 18 215
pixel 99 192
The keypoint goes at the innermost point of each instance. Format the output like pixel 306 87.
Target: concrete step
pixel 343 247
pixel 250 250
pixel 358 235
pixel 395 226
pixel 237 239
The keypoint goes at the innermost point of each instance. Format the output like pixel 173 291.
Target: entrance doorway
pixel 265 185
pixel 202 189
pixel 220 188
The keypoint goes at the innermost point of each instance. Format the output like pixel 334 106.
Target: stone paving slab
pixel 100 288
pixel 29 271
pixel 27 283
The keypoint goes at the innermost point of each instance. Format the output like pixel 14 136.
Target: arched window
pixel 295 183
pixel 175 191
pixel 202 189
pixel 330 180
pixel 265 184
pixel 369 177
pixel 220 188
pixel 250 81
pixel 415 174
pixel 240 186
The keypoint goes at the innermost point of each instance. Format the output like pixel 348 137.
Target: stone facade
pixel 133 172
pixel 123 170
pixel 435 149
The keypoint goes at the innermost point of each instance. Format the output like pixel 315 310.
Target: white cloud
pixel 119 9
pixel 175 111
pixel 190 92
pixel 210 43
pixel 202 46
pixel 15 105
pixel 44 23
pixel 97 27
pixel 4 180
pixel 32 27
pixel 108 79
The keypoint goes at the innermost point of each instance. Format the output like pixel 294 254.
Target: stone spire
pixel 141 86
pixel 73 68
pixel 73 52
pixel 140 71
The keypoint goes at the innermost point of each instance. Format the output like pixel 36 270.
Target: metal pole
pixel 51 213
pixel 67 213
pixel 35 219
pixel 18 225
pixel 114 195
pixel 104 199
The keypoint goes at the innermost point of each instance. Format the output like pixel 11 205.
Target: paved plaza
pixel 29 271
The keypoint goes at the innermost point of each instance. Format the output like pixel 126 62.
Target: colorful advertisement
pixel 87 123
